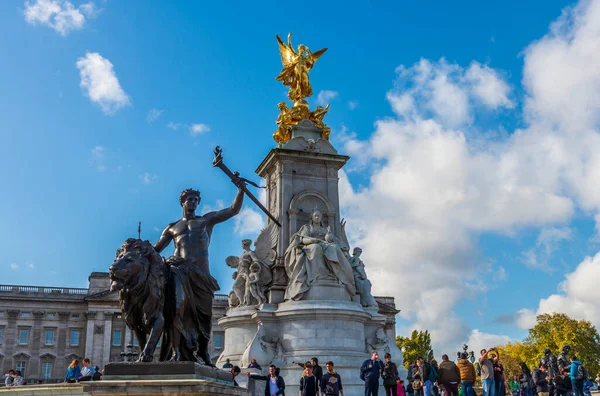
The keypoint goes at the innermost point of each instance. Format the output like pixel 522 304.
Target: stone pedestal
pixel 162 388
pixel 295 331
pixel 166 370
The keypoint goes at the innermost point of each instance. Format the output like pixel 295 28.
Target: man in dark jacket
pixel 370 371
pixel 423 374
pixel 274 382
pixel 390 376
pixel 316 369
pixel 449 376
pixel 540 380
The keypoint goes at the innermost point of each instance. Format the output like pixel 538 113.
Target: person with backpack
pixel 578 375
pixel 370 371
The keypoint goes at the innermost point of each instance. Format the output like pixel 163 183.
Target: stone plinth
pixel 45 390
pixel 162 388
pixel 167 371
pixel 295 331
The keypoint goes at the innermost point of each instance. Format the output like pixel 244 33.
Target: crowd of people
pixel 428 378
pixel 75 374
pixel 458 379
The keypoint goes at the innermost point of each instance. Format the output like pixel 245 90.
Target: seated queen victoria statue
pixel 314 255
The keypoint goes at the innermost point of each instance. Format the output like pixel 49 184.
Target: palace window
pixel 116 338
pixel 218 340
pixel 1 334
pixel 47 370
pixel 74 339
pixel 75 316
pixel 23 336
pixel 25 314
pixel 49 337
pixel 51 315
pixel 135 341
pixel 20 366
pixel 1 313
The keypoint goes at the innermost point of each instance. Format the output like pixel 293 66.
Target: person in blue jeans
pixel 370 372
pixel 424 373
pixel 487 372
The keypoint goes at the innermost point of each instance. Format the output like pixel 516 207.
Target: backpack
pixel 433 374
pixel 582 373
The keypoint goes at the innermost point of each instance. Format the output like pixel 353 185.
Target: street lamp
pixel 131 355
pixel 471 354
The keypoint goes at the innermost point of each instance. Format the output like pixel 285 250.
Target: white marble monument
pixel 300 294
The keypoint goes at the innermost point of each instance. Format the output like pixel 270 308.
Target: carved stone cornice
pixel 108 315
pixel 39 314
pixel 64 315
pixel 91 315
pixel 13 313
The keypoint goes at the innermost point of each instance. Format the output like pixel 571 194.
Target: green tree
pixel 552 331
pixel 418 344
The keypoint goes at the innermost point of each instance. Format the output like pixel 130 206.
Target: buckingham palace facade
pixel 42 329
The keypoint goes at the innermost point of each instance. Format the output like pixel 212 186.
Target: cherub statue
pixel 254 288
pixel 296 66
pixel 263 256
pixel 363 284
pixel 284 123
pixel 317 118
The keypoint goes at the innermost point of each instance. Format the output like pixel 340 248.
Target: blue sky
pixel 489 107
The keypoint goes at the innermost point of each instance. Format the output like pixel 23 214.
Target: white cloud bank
pixel 437 183
pixel 59 15
pixel 100 83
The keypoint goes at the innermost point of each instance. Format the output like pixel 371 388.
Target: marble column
pixel 10 339
pixel 89 336
pixel 61 345
pixel 108 317
pixel 36 342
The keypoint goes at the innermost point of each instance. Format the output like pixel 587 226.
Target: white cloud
pixel 352 104
pixel 197 129
pixel 211 208
pixel 578 297
pixel 14 266
pixel 97 158
pixel 30 266
pixel 488 86
pixel 547 242
pixel 148 178
pixel 447 91
pixel 436 184
pixel 525 319
pixel 100 83
pixel 325 96
pixel 153 115
pixel 60 15
pixel 248 222
pixel 478 340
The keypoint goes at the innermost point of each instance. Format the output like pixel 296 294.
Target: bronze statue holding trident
pixel 174 296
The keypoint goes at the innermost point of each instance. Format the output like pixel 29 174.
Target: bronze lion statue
pixel 139 273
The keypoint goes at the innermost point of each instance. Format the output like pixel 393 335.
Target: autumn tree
pixel 418 344
pixel 552 331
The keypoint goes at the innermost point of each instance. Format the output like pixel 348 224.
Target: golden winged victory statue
pixel 296 65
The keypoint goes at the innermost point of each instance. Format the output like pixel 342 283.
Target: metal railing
pixel 43 290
